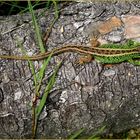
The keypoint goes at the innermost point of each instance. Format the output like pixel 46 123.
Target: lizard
pixel 106 53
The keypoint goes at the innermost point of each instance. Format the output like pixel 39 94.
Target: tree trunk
pixel 88 96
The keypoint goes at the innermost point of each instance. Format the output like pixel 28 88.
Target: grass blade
pixel 41 72
pixel 47 90
pixel 74 136
pixel 37 30
pixel 95 135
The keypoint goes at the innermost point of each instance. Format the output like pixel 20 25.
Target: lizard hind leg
pixel 134 62
pixel 86 59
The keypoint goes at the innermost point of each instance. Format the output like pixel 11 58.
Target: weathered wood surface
pixel 104 96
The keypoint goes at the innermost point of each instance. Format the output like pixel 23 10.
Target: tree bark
pixel 88 96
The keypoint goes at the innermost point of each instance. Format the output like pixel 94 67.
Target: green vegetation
pixel 39 76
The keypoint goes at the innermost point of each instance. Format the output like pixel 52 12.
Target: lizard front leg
pixel 85 59
pixel 94 42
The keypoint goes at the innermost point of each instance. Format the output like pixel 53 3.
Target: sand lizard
pixel 106 53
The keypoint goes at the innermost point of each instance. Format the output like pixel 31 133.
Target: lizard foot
pixel 85 59
pixel 134 62
pixel 94 42
pixel 108 65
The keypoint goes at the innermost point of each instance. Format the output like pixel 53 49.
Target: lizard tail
pixel 41 56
